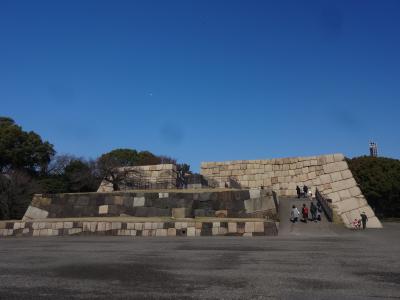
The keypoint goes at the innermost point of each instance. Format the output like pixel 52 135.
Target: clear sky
pixel 204 80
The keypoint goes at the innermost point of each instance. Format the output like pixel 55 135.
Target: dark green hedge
pixel 379 180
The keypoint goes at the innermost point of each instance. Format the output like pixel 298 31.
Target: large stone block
pixel 336 176
pixel 103 209
pixel 334 196
pixel 329 158
pixel 346 174
pixel 116 225
pixel 232 227
pixel 258 226
pixel 68 225
pixel 374 222
pixel 344 194
pixel 161 232
pixel 171 232
pixel 191 231
pixel 181 212
pixel 347 205
pixel 138 201
pixel 249 227
pixel 139 226
pixel 181 225
pixel 221 213
pixel 338 157
pixel 35 213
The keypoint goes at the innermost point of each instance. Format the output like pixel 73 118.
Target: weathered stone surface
pixel 191 231
pixel 161 232
pixel 171 232
pixel 116 225
pixel 329 173
pixel 103 209
pixel 232 227
pixel 258 226
pixel 254 193
pixel 35 213
pixel 180 212
pixel 221 213
pixel 138 201
pixel 249 227
pixel 125 229
pixel 68 225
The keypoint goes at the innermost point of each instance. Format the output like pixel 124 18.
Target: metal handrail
pixel 325 205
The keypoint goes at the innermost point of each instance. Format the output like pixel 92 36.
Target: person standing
pixel 294 214
pixel 319 207
pixel 313 210
pixel 304 212
pixel 298 192
pixel 305 190
pixel 364 219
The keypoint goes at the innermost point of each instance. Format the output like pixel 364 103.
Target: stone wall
pixel 329 173
pixel 154 176
pixel 159 229
pixel 180 204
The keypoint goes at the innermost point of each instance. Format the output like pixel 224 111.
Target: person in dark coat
pixel 313 210
pixel 319 206
pixel 298 191
pixel 364 219
pixel 305 190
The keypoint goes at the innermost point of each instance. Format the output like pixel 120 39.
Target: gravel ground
pixel 345 265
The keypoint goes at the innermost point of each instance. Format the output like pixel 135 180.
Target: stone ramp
pixel 287 228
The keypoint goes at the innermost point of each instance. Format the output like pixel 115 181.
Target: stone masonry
pixel 253 203
pixel 189 228
pixel 329 173
pixel 158 176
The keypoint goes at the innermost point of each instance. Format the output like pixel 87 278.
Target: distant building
pixel 373 149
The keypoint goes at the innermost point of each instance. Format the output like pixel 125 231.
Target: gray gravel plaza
pixel 345 265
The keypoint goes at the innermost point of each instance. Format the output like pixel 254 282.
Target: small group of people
pixel 305 193
pixel 356 224
pixel 315 211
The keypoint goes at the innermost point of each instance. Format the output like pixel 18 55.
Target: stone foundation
pixel 329 173
pixel 159 229
pixel 178 204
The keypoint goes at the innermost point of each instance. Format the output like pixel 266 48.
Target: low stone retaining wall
pixel 178 204
pixel 158 229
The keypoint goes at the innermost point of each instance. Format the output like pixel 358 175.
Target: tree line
pixel 379 180
pixel 29 165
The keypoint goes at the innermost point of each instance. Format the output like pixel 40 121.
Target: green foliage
pixel 22 150
pixel 81 176
pixel 379 180
pixel 16 190
pixel 109 164
pixel 28 165
pixel 129 157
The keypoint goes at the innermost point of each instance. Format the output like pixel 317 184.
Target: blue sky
pixel 204 80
